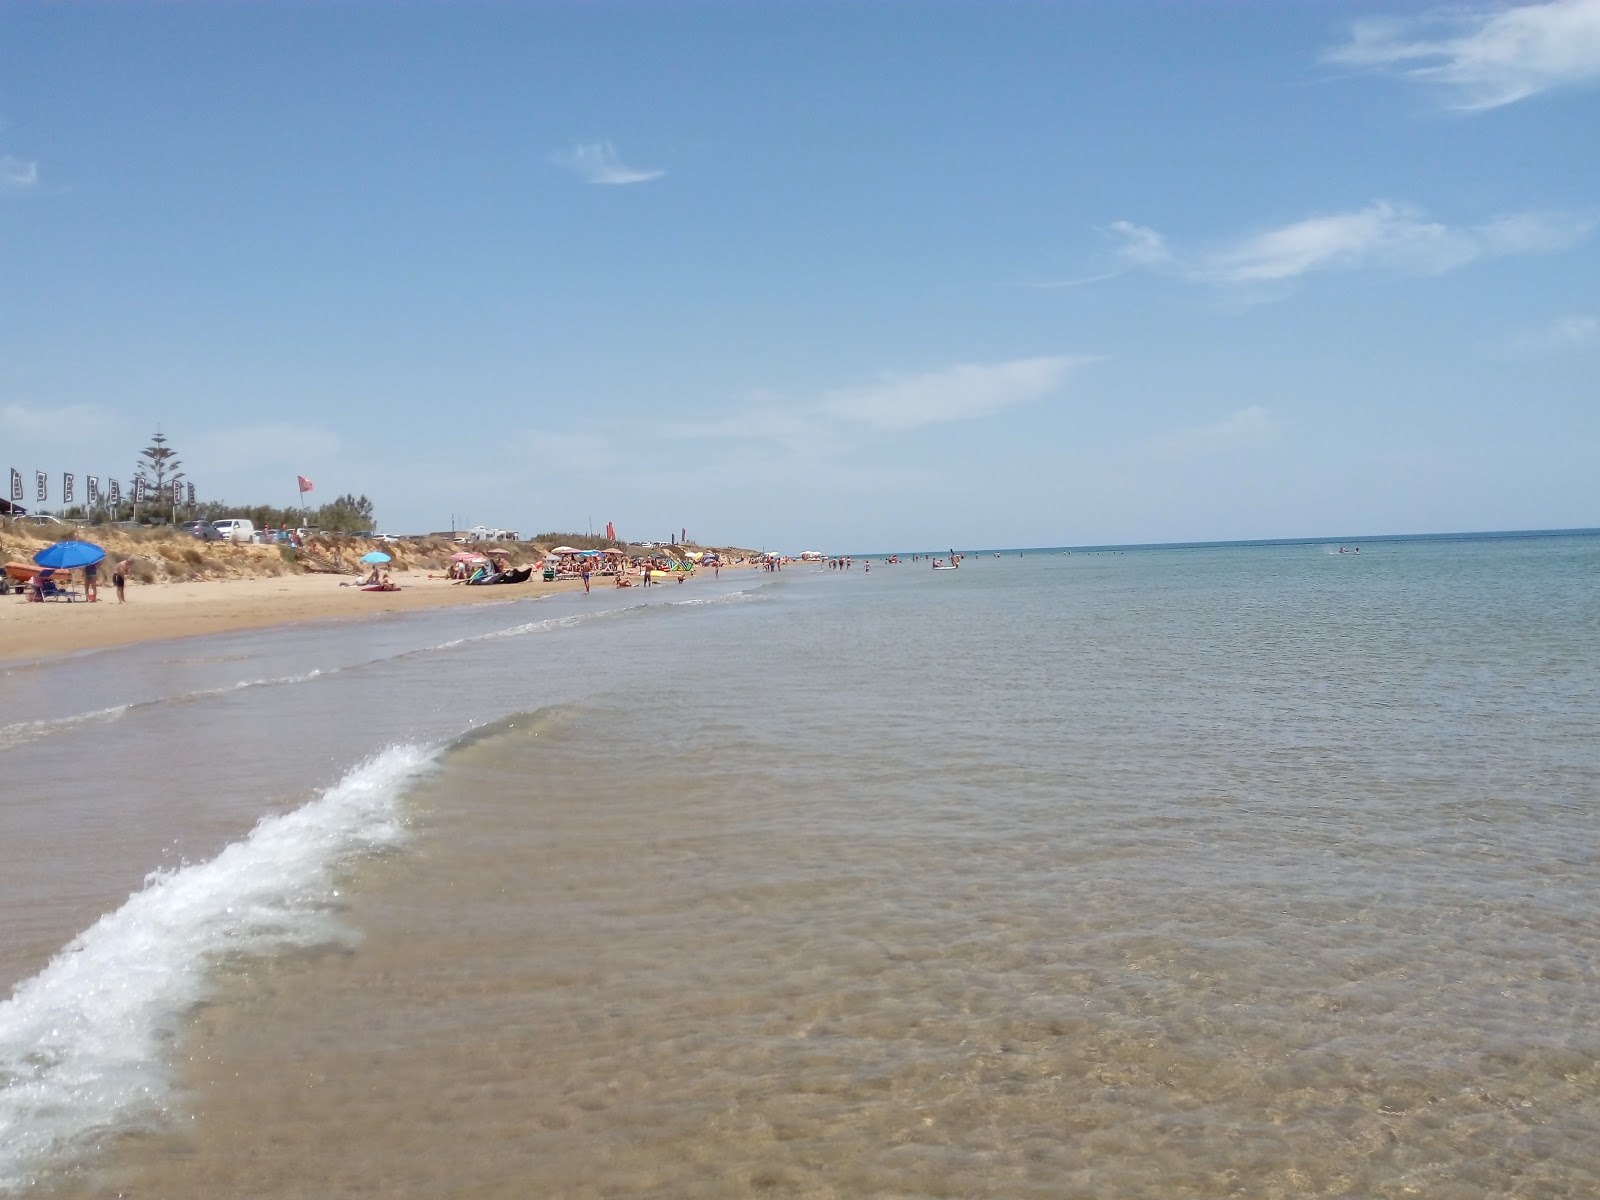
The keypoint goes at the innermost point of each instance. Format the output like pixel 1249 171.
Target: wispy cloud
pixel 1381 235
pixel 764 420
pixel 1138 245
pixel 575 446
pixel 893 403
pixel 1560 334
pixel 17 175
pixel 1247 429
pixel 1484 57
pixel 51 423
pixel 598 163
pixel 282 445
pixel 958 393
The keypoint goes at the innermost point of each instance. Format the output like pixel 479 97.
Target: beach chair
pixel 50 590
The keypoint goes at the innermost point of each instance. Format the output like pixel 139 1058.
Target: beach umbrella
pixel 565 550
pixel 374 556
pixel 616 550
pixel 467 556
pixel 67 555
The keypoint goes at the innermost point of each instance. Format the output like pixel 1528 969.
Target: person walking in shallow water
pixel 119 578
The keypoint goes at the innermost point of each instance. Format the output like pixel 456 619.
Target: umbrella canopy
pixel 617 550
pixel 467 556
pixel 565 550
pixel 374 556
pixel 66 555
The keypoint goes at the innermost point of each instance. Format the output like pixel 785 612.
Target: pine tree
pixel 158 466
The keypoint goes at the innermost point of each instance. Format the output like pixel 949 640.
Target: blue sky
pixel 799 275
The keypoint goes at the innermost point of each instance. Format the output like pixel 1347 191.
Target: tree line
pixel 160 468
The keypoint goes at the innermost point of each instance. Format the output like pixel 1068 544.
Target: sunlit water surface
pixel 1260 871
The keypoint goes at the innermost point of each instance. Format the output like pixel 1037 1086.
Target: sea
pixel 1264 870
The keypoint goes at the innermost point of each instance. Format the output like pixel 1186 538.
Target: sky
pixel 837 276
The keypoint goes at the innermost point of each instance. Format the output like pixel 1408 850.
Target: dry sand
pixel 173 610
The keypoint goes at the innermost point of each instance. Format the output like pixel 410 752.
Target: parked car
pixel 204 530
pixel 42 519
pixel 236 529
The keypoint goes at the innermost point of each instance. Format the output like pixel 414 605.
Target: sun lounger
pixel 49 589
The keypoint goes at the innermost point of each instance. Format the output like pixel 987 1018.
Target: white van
pixel 236 529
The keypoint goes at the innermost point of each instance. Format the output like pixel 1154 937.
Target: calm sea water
pixel 1236 870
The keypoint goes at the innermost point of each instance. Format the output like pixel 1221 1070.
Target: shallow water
pixel 1235 871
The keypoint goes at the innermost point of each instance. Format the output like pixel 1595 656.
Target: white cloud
pixel 1381 235
pixel 1246 429
pixel 598 163
pixel 1381 232
pixel 1139 245
pixel 17 175
pixel 1532 233
pixel 894 403
pixel 1484 57
pixel 1573 331
pixel 764 422
pixel 54 424
pixel 957 393
pixel 1562 333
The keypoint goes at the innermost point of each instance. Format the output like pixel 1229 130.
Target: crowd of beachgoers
pixel 167 583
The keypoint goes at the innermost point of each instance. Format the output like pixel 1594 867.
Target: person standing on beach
pixel 586 575
pixel 119 578
pixel 91 581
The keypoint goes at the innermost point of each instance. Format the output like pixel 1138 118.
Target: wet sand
pixel 172 610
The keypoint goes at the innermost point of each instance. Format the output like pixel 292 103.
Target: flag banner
pixel 94 489
pixel 305 484
pixel 16 484
pixel 138 489
pixel 43 486
pixel 66 487
pixel 191 493
pixel 116 493
pixel 177 491
pixel 683 537
pixel 611 533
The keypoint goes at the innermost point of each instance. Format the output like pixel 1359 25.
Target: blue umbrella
pixel 374 556
pixel 67 555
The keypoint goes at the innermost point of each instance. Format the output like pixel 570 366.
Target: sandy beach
pixel 173 610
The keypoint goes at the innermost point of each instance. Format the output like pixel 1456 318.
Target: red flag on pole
pixel 305 484
pixel 611 533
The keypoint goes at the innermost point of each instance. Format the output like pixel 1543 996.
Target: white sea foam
pixel 740 597
pixel 23 732
pixel 85 1044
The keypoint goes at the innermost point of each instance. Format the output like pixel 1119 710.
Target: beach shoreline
pixel 31 632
